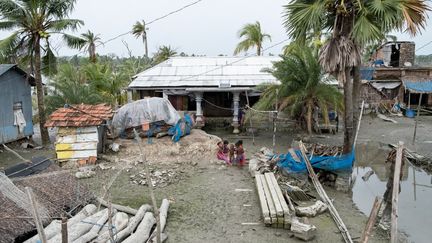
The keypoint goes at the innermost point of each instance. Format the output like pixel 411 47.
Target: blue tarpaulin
pixel 418 86
pixel 329 163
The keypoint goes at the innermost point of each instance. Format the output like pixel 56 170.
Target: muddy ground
pixel 207 208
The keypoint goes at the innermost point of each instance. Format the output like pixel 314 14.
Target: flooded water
pixel 415 215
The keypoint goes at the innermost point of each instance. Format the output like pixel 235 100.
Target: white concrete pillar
pixel 129 96
pixel 236 101
pixel 199 112
pixel 164 94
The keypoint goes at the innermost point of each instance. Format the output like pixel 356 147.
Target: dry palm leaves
pixel 323 150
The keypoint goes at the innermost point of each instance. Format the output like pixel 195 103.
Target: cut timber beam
pixel 277 196
pixel 395 194
pixel 263 202
pixel 275 199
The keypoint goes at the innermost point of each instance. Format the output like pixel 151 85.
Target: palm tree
pixel 32 23
pixel 353 23
pixel 163 54
pixel 302 88
pixel 253 37
pixel 87 41
pixel 139 30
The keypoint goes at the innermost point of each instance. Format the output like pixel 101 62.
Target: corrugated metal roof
pixel 6 67
pixel 206 72
pixel 418 86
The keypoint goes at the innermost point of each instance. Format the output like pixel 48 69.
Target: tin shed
pixel 15 103
pixel 81 131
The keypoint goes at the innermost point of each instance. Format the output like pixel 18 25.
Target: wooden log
pixel 416 119
pixel 263 202
pixel 302 231
pixel 133 223
pixel 143 231
pixel 395 193
pixel 55 226
pixel 285 208
pixel 275 199
pixel 93 233
pixel 120 221
pixel 371 220
pixel 311 211
pixel 36 217
pixel 164 237
pixel 333 212
pixel 80 228
pixel 121 208
pixel 163 213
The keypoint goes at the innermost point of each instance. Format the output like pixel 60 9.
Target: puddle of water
pixel 415 216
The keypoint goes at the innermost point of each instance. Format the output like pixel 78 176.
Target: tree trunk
pixel 145 43
pixel 92 53
pixel 309 117
pixel 258 50
pixel 356 94
pixel 348 119
pixel 40 92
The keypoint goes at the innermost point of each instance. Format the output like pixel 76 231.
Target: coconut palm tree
pixel 139 30
pixel 302 87
pixel 353 23
pixel 163 54
pixel 87 41
pixel 253 37
pixel 32 23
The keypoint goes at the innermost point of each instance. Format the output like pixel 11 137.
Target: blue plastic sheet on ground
pixel 182 128
pixel 328 163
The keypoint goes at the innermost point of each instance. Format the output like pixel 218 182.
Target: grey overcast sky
pixel 207 28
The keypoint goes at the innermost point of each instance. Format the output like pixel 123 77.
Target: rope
pixel 220 107
pixel 252 109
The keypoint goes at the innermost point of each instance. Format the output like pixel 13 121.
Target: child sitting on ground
pixel 240 158
pixel 221 155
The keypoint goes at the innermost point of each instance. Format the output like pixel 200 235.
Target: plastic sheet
pixel 148 110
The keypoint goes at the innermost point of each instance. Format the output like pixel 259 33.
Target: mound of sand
pixel 196 147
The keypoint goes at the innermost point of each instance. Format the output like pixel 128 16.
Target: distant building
pixel 211 86
pixel 15 103
pixel 391 67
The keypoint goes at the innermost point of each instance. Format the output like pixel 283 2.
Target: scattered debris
pixel 297 194
pixel 114 147
pixel 311 211
pixel 303 231
pixel 158 178
pixel 367 175
pixel 85 174
pixel 385 118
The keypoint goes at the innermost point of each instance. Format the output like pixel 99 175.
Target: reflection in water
pixel 415 216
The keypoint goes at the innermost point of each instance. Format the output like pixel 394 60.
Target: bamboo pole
pixel 358 124
pixel 38 221
pixel 417 117
pixel 371 220
pixel 250 119
pixel 150 186
pixel 395 193
pixel 335 215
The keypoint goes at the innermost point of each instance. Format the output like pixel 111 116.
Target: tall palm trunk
pixel 40 92
pixel 348 119
pixel 309 117
pixel 259 50
pixel 144 36
pixel 356 94
pixel 92 52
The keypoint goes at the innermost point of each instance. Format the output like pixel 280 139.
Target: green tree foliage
pixel 87 41
pixel 32 23
pixel 139 30
pixel 253 38
pixel 163 54
pixel 302 87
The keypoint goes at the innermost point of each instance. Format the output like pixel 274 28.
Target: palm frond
pixel 74 41
pixel 65 24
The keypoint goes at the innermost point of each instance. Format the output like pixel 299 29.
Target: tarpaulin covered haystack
pixel 149 117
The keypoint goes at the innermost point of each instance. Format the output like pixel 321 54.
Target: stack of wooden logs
pixel 323 150
pixel 280 212
pixel 90 225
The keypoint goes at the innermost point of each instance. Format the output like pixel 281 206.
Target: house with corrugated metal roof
pixel 209 86
pixel 15 103
pixel 81 132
